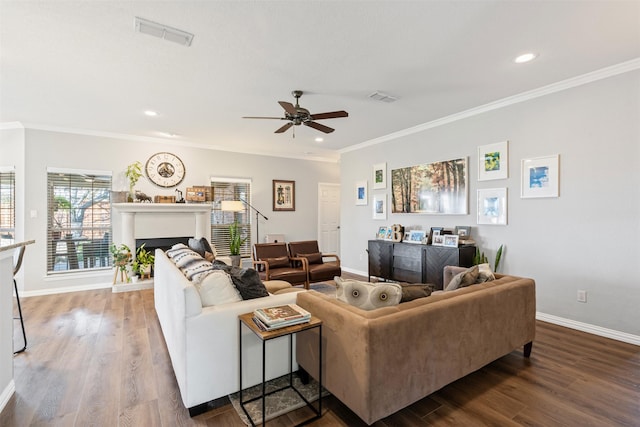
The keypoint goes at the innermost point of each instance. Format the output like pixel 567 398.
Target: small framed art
pixel 492 206
pixel 493 161
pixel 382 233
pixel 284 195
pixel 416 236
pixel 540 177
pixel 379 176
pixel 437 240
pixel 361 193
pixel 463 231
pixel 380 206
pixel 450 240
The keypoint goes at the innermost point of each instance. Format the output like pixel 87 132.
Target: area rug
pixel 278 403
pixel 324 288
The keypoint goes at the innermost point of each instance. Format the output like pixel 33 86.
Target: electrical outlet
pixel 582 296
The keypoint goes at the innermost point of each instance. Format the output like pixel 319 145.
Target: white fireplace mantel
pixel 151 220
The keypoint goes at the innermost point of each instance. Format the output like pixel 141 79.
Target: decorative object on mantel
pixel 493 161
pixel 165 169
pixel 164 199
pixel 133 173
pixel 121 258
pixel 197 194
pixel 143 262
pixel 141 197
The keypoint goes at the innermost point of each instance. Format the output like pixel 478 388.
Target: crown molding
pixel 560 86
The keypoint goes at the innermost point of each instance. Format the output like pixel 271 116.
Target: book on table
pixel 281 316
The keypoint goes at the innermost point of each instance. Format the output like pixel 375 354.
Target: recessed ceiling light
pixel 525 58
pixel 319 139
pixel 150 113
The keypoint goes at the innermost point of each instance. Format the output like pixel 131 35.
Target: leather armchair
pixel 320 269
pixel 272 261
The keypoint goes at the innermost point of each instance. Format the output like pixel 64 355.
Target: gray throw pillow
pixel 415 291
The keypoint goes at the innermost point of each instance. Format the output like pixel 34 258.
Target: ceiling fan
pixel 296 115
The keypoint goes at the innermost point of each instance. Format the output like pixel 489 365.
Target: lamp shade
pixel 231 206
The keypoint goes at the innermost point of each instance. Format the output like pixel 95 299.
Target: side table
pixel 247 320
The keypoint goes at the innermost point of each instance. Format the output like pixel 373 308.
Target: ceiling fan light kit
pixel 296 115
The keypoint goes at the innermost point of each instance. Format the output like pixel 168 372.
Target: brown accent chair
pixel 272 261
pixel 319 269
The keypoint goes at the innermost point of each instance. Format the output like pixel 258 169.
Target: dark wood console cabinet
pixel 413 263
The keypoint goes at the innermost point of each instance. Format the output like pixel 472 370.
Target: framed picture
pixel 431 188
pixel 389 234
pixel 406 237
pixel 492 206
pixel 463 230
pixel 434 231
pixel 450 240
pixel 416 236
pixel 361 193
pixel 380 206
pixel 437 240
pixel 382 233
pixel 540 177
pixel 493 161
pixel 284 195
pixel 379 176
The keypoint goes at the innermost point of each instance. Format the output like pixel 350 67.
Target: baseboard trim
pixel 6 394
pixel 591 329
pixel 64 290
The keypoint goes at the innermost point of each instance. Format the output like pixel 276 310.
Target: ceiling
pixel 79 65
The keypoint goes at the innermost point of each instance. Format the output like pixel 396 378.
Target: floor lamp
pixel 258 213
pixel 238 206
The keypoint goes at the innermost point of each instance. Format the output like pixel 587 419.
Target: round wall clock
pixel 165 169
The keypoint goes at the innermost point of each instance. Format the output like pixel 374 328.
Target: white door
pixel 329 218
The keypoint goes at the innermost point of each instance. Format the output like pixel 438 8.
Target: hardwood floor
pixel 98 358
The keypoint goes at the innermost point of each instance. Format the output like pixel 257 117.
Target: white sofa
pixel 203 341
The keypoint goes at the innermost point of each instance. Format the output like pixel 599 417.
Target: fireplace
pixel 163 243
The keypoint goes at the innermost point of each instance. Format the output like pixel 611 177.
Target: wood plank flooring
pixel 98 358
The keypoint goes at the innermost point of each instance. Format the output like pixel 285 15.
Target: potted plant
pixel 121 258
pixel 141 265
pixel 235 243
pixel 481 258
pixel 133 173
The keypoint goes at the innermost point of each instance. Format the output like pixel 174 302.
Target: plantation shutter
pixel 7 205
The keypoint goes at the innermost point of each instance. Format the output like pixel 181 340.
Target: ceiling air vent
pixel 383 97
pixel 163 31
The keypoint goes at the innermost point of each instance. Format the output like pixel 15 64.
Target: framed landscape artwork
pixel 432 188
pixel 493 161
pixel 284 195
pixel 540 177
pixel 379 176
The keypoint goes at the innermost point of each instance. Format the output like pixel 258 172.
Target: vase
pixel 235 260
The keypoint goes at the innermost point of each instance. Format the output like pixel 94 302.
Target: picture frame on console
pixel 382 233
pixel 437 240
pixel 450 240
pixel 284 195
pixel 416 236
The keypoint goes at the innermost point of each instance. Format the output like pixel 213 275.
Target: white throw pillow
pixel 217 288
pixel 366 295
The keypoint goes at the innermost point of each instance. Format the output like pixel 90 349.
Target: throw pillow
pixel 485 274
pixel 248 283
pixel 177 249
pixel 466 278
pixel 209 256
pixel 312 258
pixel 196 271
pixel 200 246
pixel 217 289
pixel 279 262
pixel 366 295
pixel 415 291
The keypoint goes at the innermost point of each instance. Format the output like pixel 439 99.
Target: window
pixel 79 218
pixel 230 189
pixel 7 205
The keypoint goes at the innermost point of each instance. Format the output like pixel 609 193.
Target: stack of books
pixel 270 318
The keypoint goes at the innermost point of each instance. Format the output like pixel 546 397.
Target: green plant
pixel 481 258
pixel 143 260
pixel 235 239
pixel 121 256
pixel 133 173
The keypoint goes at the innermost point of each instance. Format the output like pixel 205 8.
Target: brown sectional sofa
pixel 378 362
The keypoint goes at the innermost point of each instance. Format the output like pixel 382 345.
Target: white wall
pixel 76 151
pixel 585 239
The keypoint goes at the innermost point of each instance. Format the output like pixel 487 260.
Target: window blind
pixel 230 189
pixel 7 205
pixel 79 221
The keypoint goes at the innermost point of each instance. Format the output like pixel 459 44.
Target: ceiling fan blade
pixel 318 126
pixel 288 107
pixel 284 128
pixel 331 115
pixel 274 118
